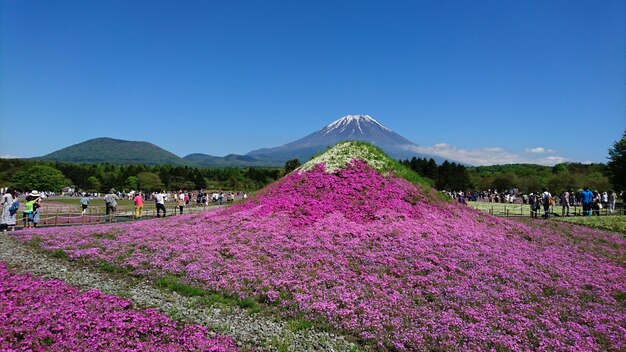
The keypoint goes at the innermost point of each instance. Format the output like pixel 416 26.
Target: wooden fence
pixel 520 210
pixel 73 215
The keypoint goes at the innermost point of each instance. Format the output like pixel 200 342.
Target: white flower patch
pixel 341 154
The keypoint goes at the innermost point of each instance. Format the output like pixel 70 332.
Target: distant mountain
pixel 114 151
pixel 121 152
pixel 230 160
pixel 350 127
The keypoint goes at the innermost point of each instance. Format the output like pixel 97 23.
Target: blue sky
pixel 483 82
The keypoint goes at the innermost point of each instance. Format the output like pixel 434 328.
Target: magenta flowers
pixel 379 259
pixel 52 316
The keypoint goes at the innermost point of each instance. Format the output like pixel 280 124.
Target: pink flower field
pixel 380 259
pixel 38 315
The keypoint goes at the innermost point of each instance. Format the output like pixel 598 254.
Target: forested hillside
pixel 20 173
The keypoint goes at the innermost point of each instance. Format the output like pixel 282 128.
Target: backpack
pixel 13 208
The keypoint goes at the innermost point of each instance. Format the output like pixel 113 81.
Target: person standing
pixel 612 201
pixel 547 200
pixel 534 205
pixel 605 200
pixel 29 208
pixel 138 205
pixel 159 199
pixel 36 211
pixel 110 201
pixel 10 205
pixel 565 204
pixel 180 199
pixel 84 203
pixel 586 198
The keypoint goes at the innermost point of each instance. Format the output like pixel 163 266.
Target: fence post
pixel 56 218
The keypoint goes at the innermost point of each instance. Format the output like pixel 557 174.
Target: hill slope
pixel 114 151
pixel 348 244
pixel 230 160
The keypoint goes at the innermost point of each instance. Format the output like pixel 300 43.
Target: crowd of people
pixel 592 202
pixel 32 203
pixel 182 199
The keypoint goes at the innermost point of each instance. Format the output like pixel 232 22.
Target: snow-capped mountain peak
pixel 347 128
pixel 352 121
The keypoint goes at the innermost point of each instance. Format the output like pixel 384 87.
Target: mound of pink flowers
pixel 39 315
pixel 379 259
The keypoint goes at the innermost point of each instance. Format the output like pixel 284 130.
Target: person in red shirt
pixel 138 205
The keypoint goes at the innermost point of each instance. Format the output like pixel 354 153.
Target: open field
pixel 609 223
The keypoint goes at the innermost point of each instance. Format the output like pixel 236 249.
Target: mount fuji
pixel 350 127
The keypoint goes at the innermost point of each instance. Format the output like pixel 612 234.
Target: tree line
pixel 525 177
pixel 448 175
pixel 529 178
pixel 26 175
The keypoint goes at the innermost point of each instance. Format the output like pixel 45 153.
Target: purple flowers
pixel 52 316
pixel 379 259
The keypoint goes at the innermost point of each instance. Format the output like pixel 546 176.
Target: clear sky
pixel 483 82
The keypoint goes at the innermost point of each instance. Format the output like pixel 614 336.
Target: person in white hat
pixel 32 203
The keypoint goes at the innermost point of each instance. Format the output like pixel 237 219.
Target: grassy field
pixel 506 209
pixel 502 208
pixel 610 223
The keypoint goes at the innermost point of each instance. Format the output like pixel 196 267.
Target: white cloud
pixel 488 155
pixel 538 150
pixel 6 156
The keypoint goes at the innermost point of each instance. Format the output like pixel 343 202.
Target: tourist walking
pixel 84 203
pixel 138 205
pixel 159 199
pixel 10 205
pixel 110 201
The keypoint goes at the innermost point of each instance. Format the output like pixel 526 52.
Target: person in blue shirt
pixel 586 198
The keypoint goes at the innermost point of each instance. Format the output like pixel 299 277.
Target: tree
pixel 504 181
pixel 291 165
pixel 149 181
pixel 40 177
pixel 617 164
pixel 93 184
pixel 131 183
pixel 430 169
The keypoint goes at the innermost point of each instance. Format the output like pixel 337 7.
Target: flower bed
pixel 379 259
pixel 38 315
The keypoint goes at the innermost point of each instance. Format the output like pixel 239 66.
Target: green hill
pixel 230 160
pixel 114 151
